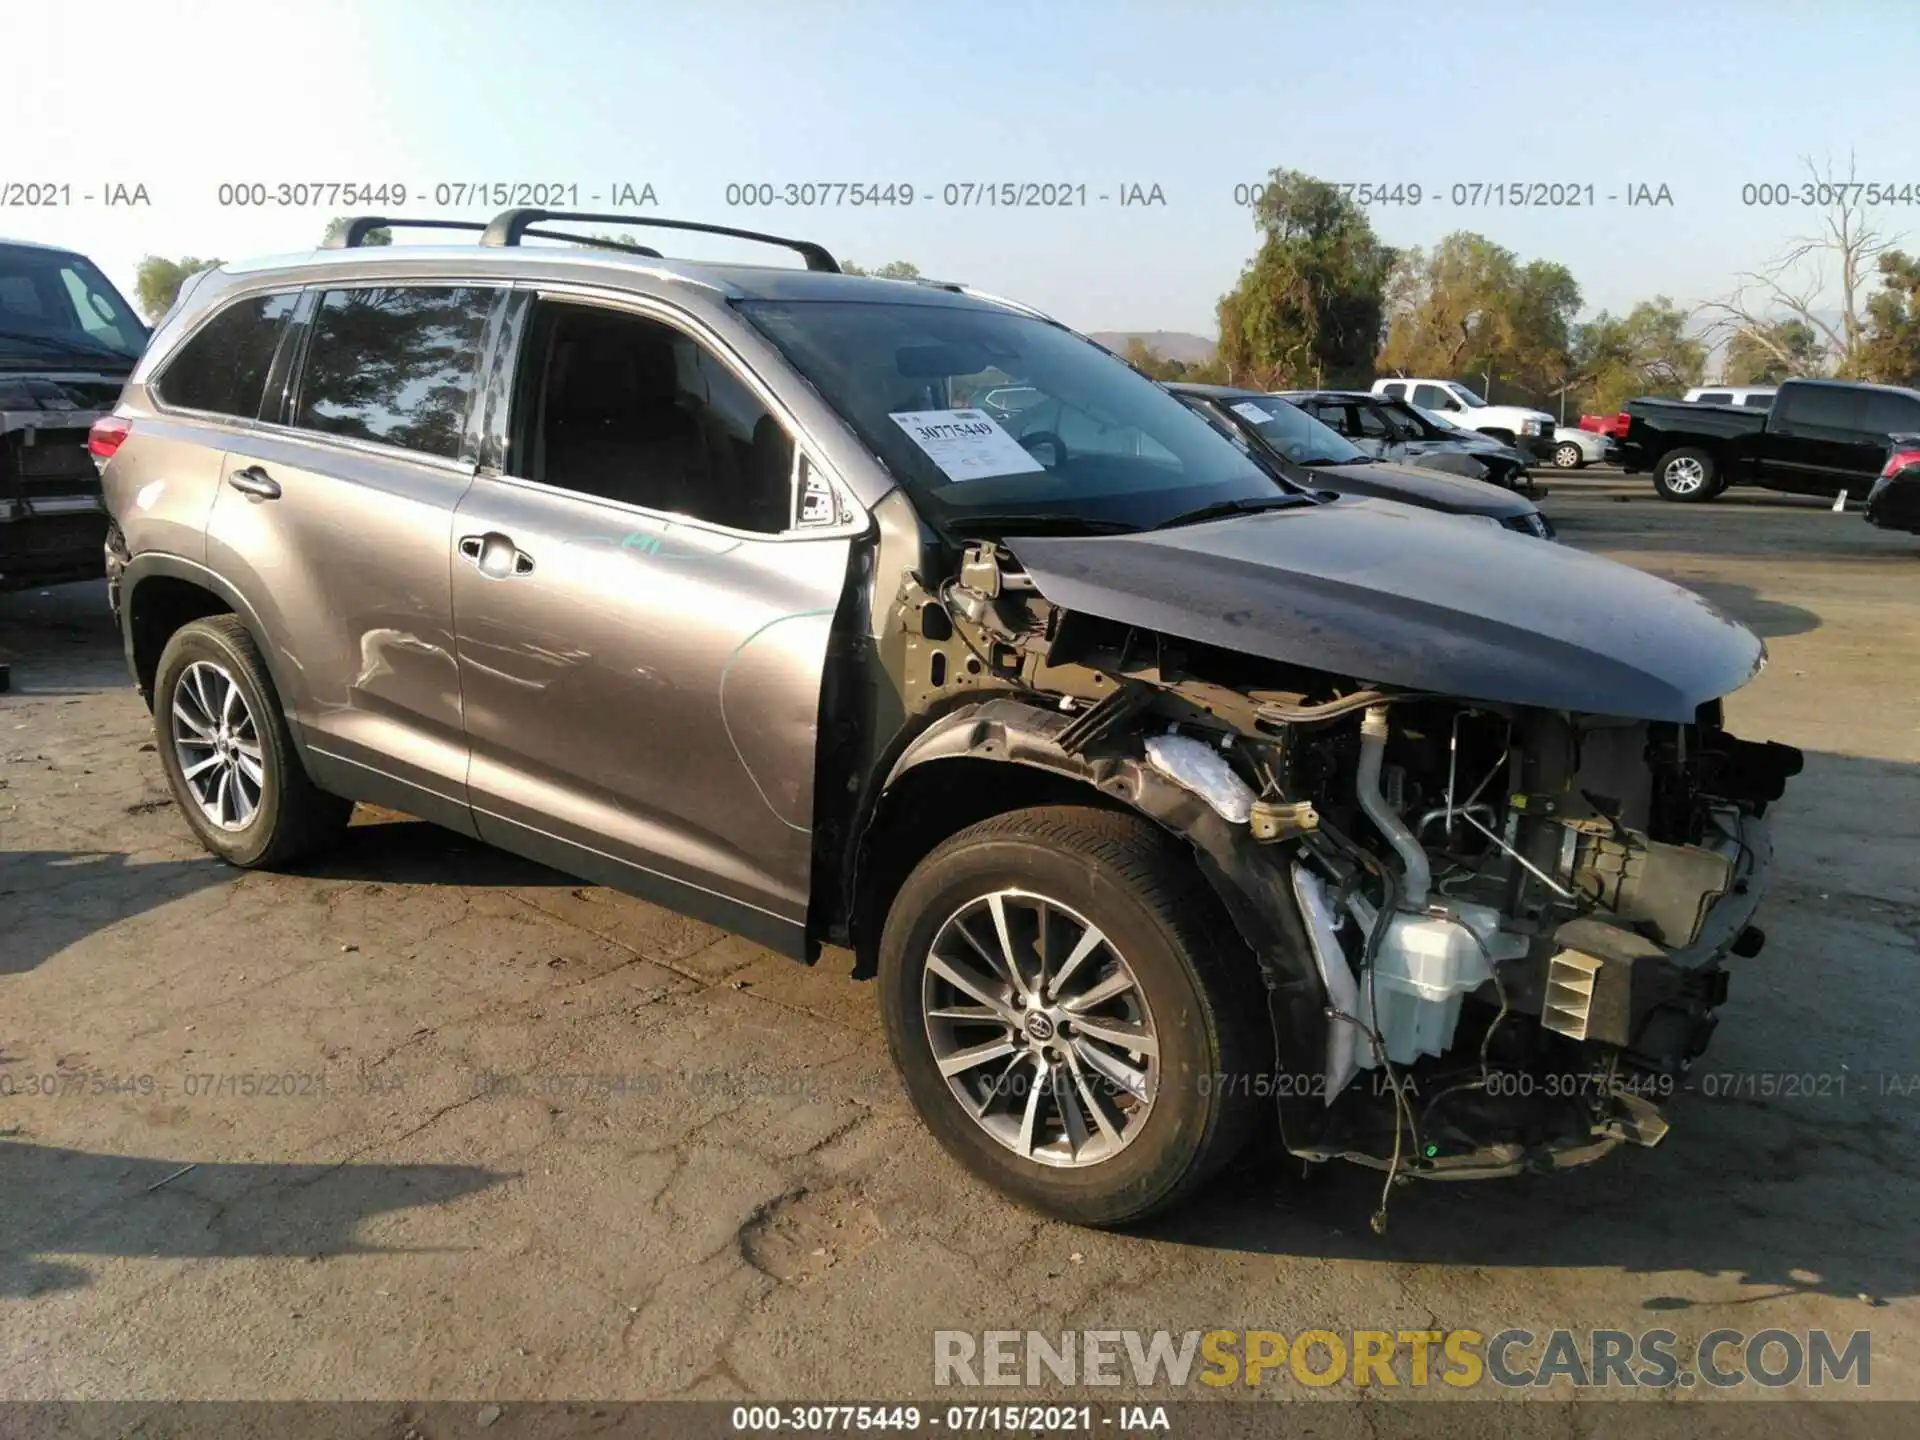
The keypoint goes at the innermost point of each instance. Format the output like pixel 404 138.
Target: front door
pixel 642 625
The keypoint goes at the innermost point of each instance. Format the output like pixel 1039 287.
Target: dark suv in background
pixel 68 341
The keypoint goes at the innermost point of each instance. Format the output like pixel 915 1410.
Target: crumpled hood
pixel 1388 594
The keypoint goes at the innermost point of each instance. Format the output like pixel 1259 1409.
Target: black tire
pixel 1199 979
pixel 1568 456
pixel 1688 475
pixel 292 819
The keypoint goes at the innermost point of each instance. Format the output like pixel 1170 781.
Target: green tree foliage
pixel 1890 349
pixel 158 281
pixel 339 223
pixel 1469 309
pixel 1308 306
pixel 1647 351
pixel 892 270
pixel 1769 353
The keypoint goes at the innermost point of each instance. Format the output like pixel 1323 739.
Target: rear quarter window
pixel 223 368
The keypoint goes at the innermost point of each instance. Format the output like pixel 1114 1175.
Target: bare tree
pixel 1797 283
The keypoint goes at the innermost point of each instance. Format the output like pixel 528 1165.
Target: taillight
pixel 1900 460
pixel 107 435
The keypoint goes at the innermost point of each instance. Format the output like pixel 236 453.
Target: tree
pixel 158 281
pixel 1308 305
pixel 1890 349
pixel 1767 354
pixel 1798 282
pixel 382 236
pixel 1469 308
pixel 892 270
pixel 1647 351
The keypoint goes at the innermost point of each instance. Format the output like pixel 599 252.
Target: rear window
pixel 223 368
pixel 1713 397
pixel 1889 413
pixel 1833 407
pixel 395 364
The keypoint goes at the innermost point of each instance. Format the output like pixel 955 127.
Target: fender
pixel 153 563
pixel 1250 879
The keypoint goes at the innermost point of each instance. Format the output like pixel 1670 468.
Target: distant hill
pixel 1169 344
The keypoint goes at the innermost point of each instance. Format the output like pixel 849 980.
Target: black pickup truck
pixel 1819 437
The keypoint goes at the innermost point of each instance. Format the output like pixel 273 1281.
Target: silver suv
pixel 1163 798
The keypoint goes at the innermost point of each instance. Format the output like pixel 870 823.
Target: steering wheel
pixel 1035 440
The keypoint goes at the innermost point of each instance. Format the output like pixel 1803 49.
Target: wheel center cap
pixel 1039 1026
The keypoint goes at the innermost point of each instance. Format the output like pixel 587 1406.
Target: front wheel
pixel 1688 474
pixel 1074 1017
pixel 1568 456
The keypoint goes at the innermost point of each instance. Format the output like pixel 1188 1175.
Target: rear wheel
pixel 1074 1017
pixel 228 756
pixel 1687 474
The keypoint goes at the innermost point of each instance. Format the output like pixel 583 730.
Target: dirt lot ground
pixel 533 1139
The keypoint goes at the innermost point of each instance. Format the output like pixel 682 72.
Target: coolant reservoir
pixel 1411 997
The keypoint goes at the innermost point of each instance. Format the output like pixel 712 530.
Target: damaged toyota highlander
pixel 1168 802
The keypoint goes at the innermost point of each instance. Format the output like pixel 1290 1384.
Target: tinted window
pixel 1713 397
pixel 1397 390
pixel 1433 397
pixel 1829 406
pixel 1370 423
pixel 1294 433
pixel 394 364
pixel 624 408
pixel 1758 402
pixel 1890 414
pixel 223 368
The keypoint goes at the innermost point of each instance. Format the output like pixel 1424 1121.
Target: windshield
pixel 990 416
pixel 1294 433
pixel 1462 393
pixel 57 309
pixel 1434 418
pixel 1415 421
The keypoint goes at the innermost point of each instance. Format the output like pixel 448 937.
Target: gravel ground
pixel 427 1121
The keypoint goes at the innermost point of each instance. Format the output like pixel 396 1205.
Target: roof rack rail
pixel 509 226
pixel 353 235
pixel 597 242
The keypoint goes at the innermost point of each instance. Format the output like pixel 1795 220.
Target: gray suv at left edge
pixel 1167 806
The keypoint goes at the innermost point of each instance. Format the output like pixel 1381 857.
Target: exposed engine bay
pixel 1492 934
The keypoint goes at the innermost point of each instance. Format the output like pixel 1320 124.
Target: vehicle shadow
pixel 1769 619
pixel 50 899
pixel 64 1203
pixel 391 849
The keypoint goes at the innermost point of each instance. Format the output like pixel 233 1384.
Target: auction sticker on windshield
pixel 1249 411
pixel 966 444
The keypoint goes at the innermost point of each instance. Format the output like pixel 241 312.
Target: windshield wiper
pixel 72 347
pixel 1040 520
pixel 1245 506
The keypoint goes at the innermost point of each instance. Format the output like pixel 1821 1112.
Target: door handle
pixel 495 555
pixel 255 482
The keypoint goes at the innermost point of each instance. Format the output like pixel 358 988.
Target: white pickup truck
pixel 1529 430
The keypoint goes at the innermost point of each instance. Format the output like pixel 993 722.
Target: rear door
pixel 336 524
pixel 642 609
pixel 1815 440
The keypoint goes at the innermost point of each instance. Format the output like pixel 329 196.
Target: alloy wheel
pixel 1685 475
pixel 217 745
pixel 1041 1029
